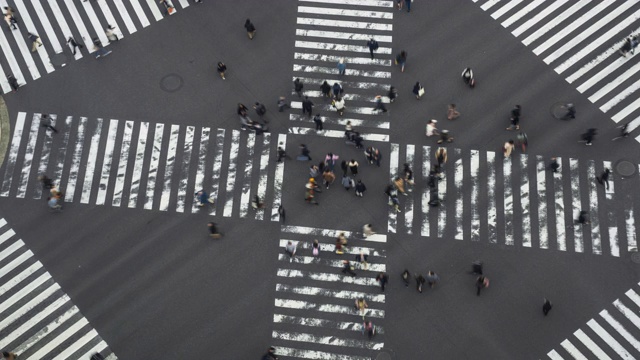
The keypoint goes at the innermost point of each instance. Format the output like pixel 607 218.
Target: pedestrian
pixel 360 188
pixel 318 120
pixel 282 213
pixel 338 104
pixel 393 94
pixel 309 195
pixel 583 217
pixel 203 198
pixel 45 122
pixel 305 155
pixel 432 278
pixel 256 203
pixel 515 118
pixel 11 20
pixel 408 2
pixel 571 111
pixel 546 306
pixel 401 59
pixel 361 306
pixel 405 277
pixel 251 30
pixel 281 154
pixel 328 178
pixel 476 267
pixel 452 113
pixel 339 248
pixel 314 172
pixel 481 282
pixel 353 167
pixel 337 89
pixel 379 104
pixel 271 354
pixel 330 161
pixel 221 69
pixel 110 33
pixel 383 279
pixel 9 355
pixel 13 82
pixel 99 50
pixel 348 268
pixel 418 90
pixel 345 167
pixel 604 178
pixel 315 248
pixel 73 45
pixel 467 77
pixel 507 148
pixel 307 106
pixel 341 67
pixel 441 157
pixel 169 9
pixel 347 182
pixel 626 47
pixel 261 110
pixel 368 154
pixel 35 41
pixel 394 201
pixel 399 4
pixel 213 230
pixel 373 46
pixel 362 259
pixel 408 174
pixel 342 239
pixel 431 128
pixel 589 135
pixel 377 156
pixel 298 86
pixel 399 183
pixel 47 184
pixel 96 356
pixel 369 329
pixel 326 89
pixel 419 282
pixel 282 104
pixel 554 165
pixel 290 249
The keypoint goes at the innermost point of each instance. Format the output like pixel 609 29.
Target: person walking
pixel 338 104
pixel 445 137
pixel 261 110
pixel 589 136
pixel 401 60
pixel 360 188
pixel 431 128
pixel 361 306
pixel 408 2
pixel 399 4
pixel 251 30
pixel 309 195
pixel 221 69
pixel 213 230
pixel 307 106
pixel 45 122
pixel 418 90
pixel 314 171
pixel 353 167
pixel 282 213
pixel 373 46
pixel 393 94
pixel 432 278
pixel 337 90
pixel 481 282
pixel 419 282
pixel 73 45
pixel 282 104
pixel 452 112
pixel 362 259
pixel 367 230
pixel 347 182
pixel 383 279
pixel 377 156
pixel 369 329
pixel 298 86
pixel 507 148
pixel 347 268
pixel 47 183
pixel 583 217
pixel 467 77
pixel 554 165
pixel 282 154
pixel 603 179
pixel 99 50
pixel 203 198
pixel 290 249
pixel 328 178
pixel 405 277
pixel 315 248
pixel 379 104
pixel 330 161
pixel 441 157
pixel 515 118
pixel 318 120
pixel 6 355
pixel 271 354
pixel 13 82
pixel 35 41
pixel 399 183
pixel 168 6
pixel 110 33
pixel 326 89
pixel 476 267
pixel 342 67
pixel 408 175
pixel 305 155
pixel 546 306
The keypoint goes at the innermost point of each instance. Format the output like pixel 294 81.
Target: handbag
pixel 421 91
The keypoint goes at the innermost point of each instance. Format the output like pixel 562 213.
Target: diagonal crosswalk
pixel 581 40
pixel 315 315
pixel 515 201
pixel 55 21
pixel 37 319
pixel 613 334
pixel 144 165
pixel 326 32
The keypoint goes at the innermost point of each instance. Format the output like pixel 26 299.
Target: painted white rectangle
pixel 136 175
pixel 539 16
pixel 329 308
pixel 131 27
pixel 62 154
pixel 84 34
pixel 492 229
pixel 330 247
pixel 154 9
pixel 140 13
pixel 360 85
pixel 609 340
pixel 576 203
pixel 316 355
pixel 394 157
pixel 232 173
pixel 70 189
pixel 408 203
pixel 46 330
pixel 596 241
pixel 11 283
pixel 13 153
pixel 633 296
pixel 630 225
pixel 321 323
pixel 152 172
pixel 11 59
pixel 558 200
pixel 627 111
pixel 6 235
pixel 595 349
pixel 334 71
pixel 373 3
pixel 328 233
pixel 344 24
pixel 620 329
pixel 426 166
pixel 340 47
pixel 335 58
pixel 608 87
pixel 553 355
pixel 628 313
pixel 217 167
pixel 522 12
pixel 338 264
pixel 44 22
pixel 170 163
pixel 111 21
pixel 263 175
pixel 490 3
pixel 343 36
pixel 93 19
pixel 107 162
pixel 90 165
pixel 248 170
pixel 27 158
pixel 541 186
pixel 621 96
pixel 361 14
pixel 28 306
pixel 326 340
pixel 64 27
pixel 572 350
pixel 525 202
pixel 507 192
pixel 118 188
pixel 202 161
pixel 559 19
pixel 183 3
pixel 77 344
pixel 45 155
pixel 337 134
pixel 187 149
pixel 457 182
pixel 67 333
pixel 15 262
pixel 329 293
pixel 505 8
pixel 24 49
pixel 278 180
pixel 11 249
pixel 4 82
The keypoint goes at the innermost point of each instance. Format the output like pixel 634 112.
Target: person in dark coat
pixel 261 110
pixel 326 89
pixel 360 188
pixel 546 306
pixel 393 94
pixel 420 280
pixel 318 120
pixel 346 268
pixel 416 90
pixel 383 279
pixel 13 82
pixel 251 30
pixel 604 178
pixel 481 282
pixel 221 69
pixel 307 106
pixel 298 86
pixel 337 89
pixel 373 46
pixel 405 277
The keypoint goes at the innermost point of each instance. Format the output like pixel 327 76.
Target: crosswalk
pixel 516 201
pixel 38 320
pixel 55 21
pixel 144 165
pixel 328 31
pixel 315 315
pixel 613 334
pixel 581 40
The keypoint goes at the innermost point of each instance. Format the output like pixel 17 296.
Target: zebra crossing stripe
pixel 543 235
pixel 560 19
pixel 93 19
pixel 152 173
pixel 4 82
pixel 630 223
pixel 326 340
pixel 504 9
pixel 64 27
pixel 131 27
pixel 486 6
pixel 11 283
pixel 111 21
pixel 75 161
pixel 187 149
pixel 626 111
pixel 138 164
pixel 426 159
pixel 316 355
pixel 394 156
pixel 306 260
pixel 346 97
pixel 107 162
pixel 154 10
pixel 11 249
pixel 28 156
pixel 335 58
pixel 122 164
pixel 324 247
pixel 374 3
pixel 344 36
pixel 137 8
pixel 278 180
pixel 24 49
pixel 615 83
pixel 442 208
pixel 318 276
pixel 339 47
pixel 245 197
pixel 633 296
pixel 593 209
pixel 361 85
pixel 84 34
pixel 306 230
pixel 62 154
pixel 337 134
pixel 539 16
pixel 346 12
pixel 620 329
pixel 47 330
pixel 58 340
pixel 408 204
pixel 44 22
pixel 231 175
pixel 13 153
pixel 576 203
pixel 11 59
pixel 609 340
pixel 633 318
pixel 202 157
pixel 621 96
pixel 507 165
pixel 559 209
pixel 77 345
pixel 264 172
pixel 29 305
pixel 457 181
pixel 614 247
pixel 315 322
pixel 45 155
pixel 217 168
pixel 525 204
pixel 90 166
pixel 517 16
pixel 492 228
pixel 330 308
pixel 348 72
pixel 343 121
pixel 475 214
pixel 572 350
pixel 15 262
pixel 553 355
pixel 344 24
pixel 595 349
pixel 184 3
pixel 169 166
pixel 338 294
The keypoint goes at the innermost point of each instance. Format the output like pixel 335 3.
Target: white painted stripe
pixel 4 82
pixel 474 164
pixel 352 85
pixel 442 209
pixel 326 340
pixel 232 173
pixel 336 309
pixel 318 276
pixel 77 345
pixel 492 229
pixel 165 197
pixel 560 19
pixel 620 329
pixel 264 172
pixel 110 19
pixel 313 354
pixel 522 12
pixel 99 347
pixel 628 313
pixel 593 209
pixel 344 24
pixel 633 296
pixel 609 340
pixel 576 203
pixel 615 83
pixel 152 172
pixel 457 181
pixel 343 121
pixel 62 155
pixel 504 9
pixel 187 149
pixel 305 230
pixel 43 21
pixel 45 155
pixel 15 262
pixel 140 13
pixel 553 355
pixel 347 97
pixel 52 344
pixel 539 16
pixel 107 162
pixel 155 10
pixel 202 162
pixel 595 349
pixel 64 27
pixel 137 164
pixel 245 197
pixel 408 203
pixel 321 323
pixel 308 260
pixel 11 249
pixel 525 204
pixel 335 58
pixel 11 283
pixel 336 134
pixel 183 3
pixel 334 71
pixel 394 157
pixel 508 201
pixel 344 36
pixel 93 19
pixel 27 158
pixel 28 306
pixel 131 27
pixel 70 189
pixel 340 47
pixel 13 153
pixel 629 221
pixel 118 188
pixel 217 167
pixel 338 294
pixel 621 96
pixel 46 330
pixel 3 222
pixel 626 111
pixel 362 14
pixel 13 63
pixel 6 235
pixel 378 3
pixel 330 247
pixel 612 218
pixel 25 49
pixel 426 166
pixel 486 6
pixel 278 180
pixel 558 200
pixel 598 25
pixel 541 186
pixel 572 350
pixel 90 166
pixel 84 34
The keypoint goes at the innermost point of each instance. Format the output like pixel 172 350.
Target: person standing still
pixel 373 46
pixel 282 213
pixel 251 30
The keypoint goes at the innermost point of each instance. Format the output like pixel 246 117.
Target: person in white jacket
pixel 431 127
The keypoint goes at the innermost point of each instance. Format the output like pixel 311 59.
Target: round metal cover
pixel 625 168
pixel 635 257
pixel 171 83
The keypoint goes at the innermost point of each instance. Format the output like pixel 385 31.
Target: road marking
pixel 169 166
pixel 610 204
pixel 313 354
pixel 572 350
pixel 525 10
pixel 609 340
pixel 525 204
pixel 139 163
pixel 338 294
pixel 620 329
pixel 315 322
pixel 330 308
pixel 232 171
pixel 140 13
pixel 507 166
pixel 125 14
pixel 539 16
pixel 28 156
pixel 345 12
pixel 378 3
pixel 595 349
pixel 155 10
pixel 334 71
pixel 327 107
pixel 13 153
pixel 44 22
pixel 457 181
pixel 394 156
pixel 326 340
pixel 560 19
pixel 541 186
pixel 558 198
pixel 576 203
pixel 90 165
pixel 504 9
pixel 628 313
pixel 474 164
pixel 345 84
pixel 187 149
pixel 13 63
pixel 278 180
pixel 492 228
pixel 217 167
pixel 345 36
pixel 107 162
pixel 72 179
pixel 245 197
pixel 152 173
pixel 630 222
pixel 84 34
pixel 264 173
pixel 308 260
pixel 344 24
pixel 202 159
pixel 593 209
pixel 408 203
pixel 337 134
pixel 122 164
pixel 330 247
pixel 340 47
pixel 426 160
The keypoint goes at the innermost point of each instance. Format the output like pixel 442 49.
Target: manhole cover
pixel 171 83
pixel 635 257
pixel 383 356
pixel 625 168
pixel 559 111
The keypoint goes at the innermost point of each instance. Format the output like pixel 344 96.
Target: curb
pixel 5 129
